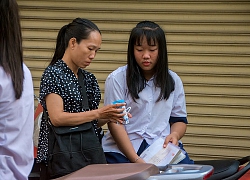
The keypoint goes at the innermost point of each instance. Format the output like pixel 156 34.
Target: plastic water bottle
pixel 125 117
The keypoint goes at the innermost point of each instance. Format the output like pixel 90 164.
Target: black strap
pixel 85 103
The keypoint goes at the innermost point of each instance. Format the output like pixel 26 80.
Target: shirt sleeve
pixel 179 113
pixel 114 89
pixel 49 84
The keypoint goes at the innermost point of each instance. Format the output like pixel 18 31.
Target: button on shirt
pixel 150 119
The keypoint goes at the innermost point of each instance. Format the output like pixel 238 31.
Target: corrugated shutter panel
pixel 208 44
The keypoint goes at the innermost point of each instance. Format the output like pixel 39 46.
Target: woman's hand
pixel 112 113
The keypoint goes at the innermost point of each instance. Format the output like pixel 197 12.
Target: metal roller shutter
pixel 208 44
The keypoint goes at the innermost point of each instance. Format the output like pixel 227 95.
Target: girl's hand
pixel 178 130
pixel 173 138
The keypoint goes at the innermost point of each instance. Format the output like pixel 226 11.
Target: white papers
pixel 159 156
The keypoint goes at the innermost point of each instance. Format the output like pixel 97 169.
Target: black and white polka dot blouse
pixel 59 79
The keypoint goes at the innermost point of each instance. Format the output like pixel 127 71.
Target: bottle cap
pixel 119 101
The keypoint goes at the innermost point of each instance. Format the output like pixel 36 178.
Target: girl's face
pixel 83 53
pixel 146 57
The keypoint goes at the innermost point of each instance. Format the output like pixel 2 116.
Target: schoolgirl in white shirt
pixel 154 93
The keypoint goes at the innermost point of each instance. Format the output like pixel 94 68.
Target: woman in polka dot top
pixel 60 91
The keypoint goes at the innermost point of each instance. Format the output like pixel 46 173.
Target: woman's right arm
pixel 122 140
pixel 58 117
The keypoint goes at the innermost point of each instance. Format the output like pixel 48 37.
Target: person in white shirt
pixel 154 93
pixel 16 99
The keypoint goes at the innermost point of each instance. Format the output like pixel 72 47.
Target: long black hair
pixel 135 79
pixel 79 28
pixel 11 51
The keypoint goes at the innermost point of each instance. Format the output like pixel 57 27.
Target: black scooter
pixel 228 169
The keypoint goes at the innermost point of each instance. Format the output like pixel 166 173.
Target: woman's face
pixel 146 57
pixel 84 52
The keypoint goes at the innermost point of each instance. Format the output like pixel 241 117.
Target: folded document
pixel 159 156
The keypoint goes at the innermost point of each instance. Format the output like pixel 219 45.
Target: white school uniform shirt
pixel 16 128
pixel 150 118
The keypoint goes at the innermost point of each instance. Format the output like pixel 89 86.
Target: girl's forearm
pixel 122 140
pixel 178 128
